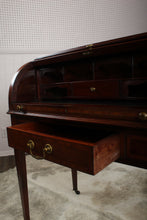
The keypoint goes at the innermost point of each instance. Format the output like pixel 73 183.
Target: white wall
pixel 30 28
pixel 9 63
pixel 46 25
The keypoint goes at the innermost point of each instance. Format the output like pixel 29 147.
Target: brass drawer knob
pixel 19 108
pixel 143 116
pixel 47 150
pixel 92 89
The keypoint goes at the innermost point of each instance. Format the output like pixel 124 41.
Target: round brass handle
pixel 19 108
pixel 47 149
pixel 92 89
pixel 31 146
pixel 143 116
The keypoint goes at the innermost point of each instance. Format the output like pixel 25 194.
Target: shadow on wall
pixel 7 163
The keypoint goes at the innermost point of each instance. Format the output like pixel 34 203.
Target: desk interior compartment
pixel 83 148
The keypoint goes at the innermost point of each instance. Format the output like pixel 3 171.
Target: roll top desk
pixel 82 108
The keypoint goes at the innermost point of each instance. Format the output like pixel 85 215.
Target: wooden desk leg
pixel 22 179
pixel 74 181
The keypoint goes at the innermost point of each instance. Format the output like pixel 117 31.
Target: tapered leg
pixel 74 181
pixel 22 179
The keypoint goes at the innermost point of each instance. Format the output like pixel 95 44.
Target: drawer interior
pixel 84 134
pixel 86 149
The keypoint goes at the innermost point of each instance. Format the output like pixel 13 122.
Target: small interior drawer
pixel 85 149
pixel 102 89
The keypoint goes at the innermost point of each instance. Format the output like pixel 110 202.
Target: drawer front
pixel 125 114
pixel 70 154
pixel 40 109
pixel 87 156
pixel 116 112
pixel 137 147
pixel 103 89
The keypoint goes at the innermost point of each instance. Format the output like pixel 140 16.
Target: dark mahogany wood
pixel 74 181
pixel 22 178
pixel 87 150
pixel 83 108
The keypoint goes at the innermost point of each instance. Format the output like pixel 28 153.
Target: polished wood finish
pixel 82 108
pixel 75 181
pixel 21 171
pixel 88 150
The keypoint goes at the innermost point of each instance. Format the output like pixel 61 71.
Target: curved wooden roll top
pixel 106 80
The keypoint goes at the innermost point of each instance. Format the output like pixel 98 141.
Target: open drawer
pixel 84 149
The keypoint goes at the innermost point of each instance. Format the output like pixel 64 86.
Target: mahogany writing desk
pixel 82 108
